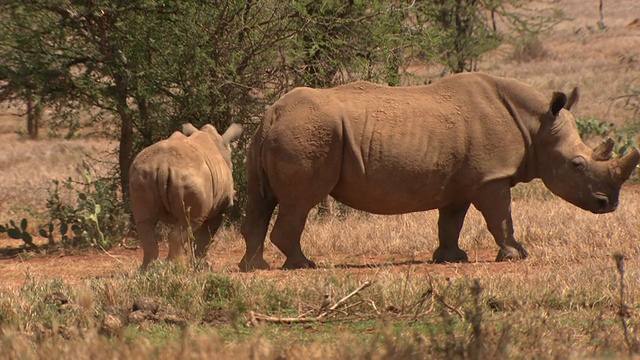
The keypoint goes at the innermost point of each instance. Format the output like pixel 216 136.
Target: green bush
pixel 588 128
pixel 98 217
pixel 17 232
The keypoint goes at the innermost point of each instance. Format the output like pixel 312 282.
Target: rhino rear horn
pixel 624 166
pixel 603 151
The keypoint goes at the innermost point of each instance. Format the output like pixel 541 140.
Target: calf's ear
pixel 573 98
pixel 188 129
pixel 232 134
pixel 558 101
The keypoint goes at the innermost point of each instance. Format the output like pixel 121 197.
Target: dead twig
pixel 255 318
pixel 450 307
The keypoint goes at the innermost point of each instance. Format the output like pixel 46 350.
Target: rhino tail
pixel 269 118
pixel 164 184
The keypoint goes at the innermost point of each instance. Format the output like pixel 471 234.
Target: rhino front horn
pixel 603 151
pixel 624 166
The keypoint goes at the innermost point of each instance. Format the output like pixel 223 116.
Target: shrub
pixel 97 217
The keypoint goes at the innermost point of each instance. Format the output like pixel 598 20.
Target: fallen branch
pixel 255 318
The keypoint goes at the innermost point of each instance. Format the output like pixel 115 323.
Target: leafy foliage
pixel 97 218
pixel 140 68
pixel 593 127
pixel 17 232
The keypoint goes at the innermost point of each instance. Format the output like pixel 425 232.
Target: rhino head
pixel 223 142
pixel 588 178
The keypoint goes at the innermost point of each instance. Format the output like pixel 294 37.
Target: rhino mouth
pixel 603 203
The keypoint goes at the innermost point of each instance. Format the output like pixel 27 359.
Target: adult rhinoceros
pixel 465 139
pixel 184 181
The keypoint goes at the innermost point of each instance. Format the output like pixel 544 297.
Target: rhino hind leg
pixel 450 223
pixel 286 234
pixel 176 240
pixel 204 235
pixel 254 229
pixel 148 242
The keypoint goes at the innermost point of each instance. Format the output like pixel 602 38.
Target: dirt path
pixel 74 268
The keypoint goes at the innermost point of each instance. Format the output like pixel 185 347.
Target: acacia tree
pixel 146 65
pixel 471 28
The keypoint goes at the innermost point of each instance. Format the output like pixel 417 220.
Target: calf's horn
pixel 603 151
pixel 623 167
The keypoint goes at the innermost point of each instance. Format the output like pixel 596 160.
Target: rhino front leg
pixel 450 223
pixel 494 202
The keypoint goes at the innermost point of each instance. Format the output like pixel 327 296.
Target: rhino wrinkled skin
pixel 465 139
pixel 184 181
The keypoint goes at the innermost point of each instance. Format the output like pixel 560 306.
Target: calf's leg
pixel 204 235
pixel 148 241
pixel 177 238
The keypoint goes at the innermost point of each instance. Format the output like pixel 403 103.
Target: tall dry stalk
pixel 623 309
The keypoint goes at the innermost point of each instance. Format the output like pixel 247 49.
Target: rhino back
pixel 408 148
pixel 179 179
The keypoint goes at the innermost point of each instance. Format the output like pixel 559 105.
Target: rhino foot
pixel 304 264
pixel 509 253
pixel 255 264
pixel 449 255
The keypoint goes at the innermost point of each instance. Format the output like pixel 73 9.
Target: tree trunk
pixel 34 113
pixel 126 137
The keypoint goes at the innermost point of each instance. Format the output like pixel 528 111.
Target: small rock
pixel 140 316
pixel 111 325
pixel 150 304
pixel 57 298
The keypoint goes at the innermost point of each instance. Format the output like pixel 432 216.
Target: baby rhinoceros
pixel 185 182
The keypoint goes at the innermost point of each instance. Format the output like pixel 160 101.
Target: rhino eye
pixel 578 164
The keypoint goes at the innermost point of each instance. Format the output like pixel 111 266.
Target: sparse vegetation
pixel 569 300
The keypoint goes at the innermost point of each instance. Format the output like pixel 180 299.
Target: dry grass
pixel 563 302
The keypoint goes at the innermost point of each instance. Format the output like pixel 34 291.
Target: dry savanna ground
pixel 563 302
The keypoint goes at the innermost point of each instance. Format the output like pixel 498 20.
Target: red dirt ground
pixel 73 268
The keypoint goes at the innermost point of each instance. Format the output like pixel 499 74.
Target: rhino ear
pixel 558 101
pixel 573 99
pixel 232 134
pixel 188 129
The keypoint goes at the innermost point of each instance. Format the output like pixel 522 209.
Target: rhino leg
pixel 204 235
pixel 450 223
pixel 148 242
pixel 176 240
pixel 254 229
pixel 286 235
pixel 494 203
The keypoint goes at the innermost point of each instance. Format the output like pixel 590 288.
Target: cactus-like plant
pixel 17 232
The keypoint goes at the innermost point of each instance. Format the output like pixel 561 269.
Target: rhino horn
pixel 188 129
pixel 623 167
pixel 603 151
